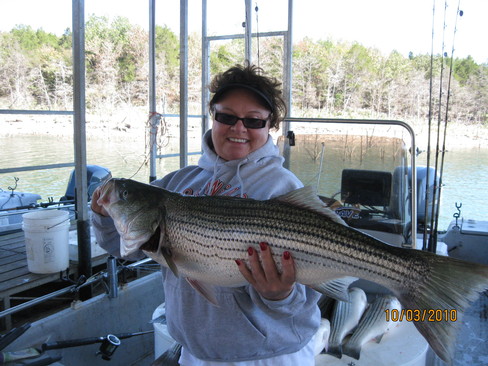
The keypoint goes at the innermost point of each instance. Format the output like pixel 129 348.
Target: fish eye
pixel 124 194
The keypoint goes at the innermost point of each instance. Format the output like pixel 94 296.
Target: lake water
pixel 465 170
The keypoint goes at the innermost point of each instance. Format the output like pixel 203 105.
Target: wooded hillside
pixel 329 78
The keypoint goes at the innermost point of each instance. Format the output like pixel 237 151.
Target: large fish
pixel 345 318
pixel 201 237
pixel 376 321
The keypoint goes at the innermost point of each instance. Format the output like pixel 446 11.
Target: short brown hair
pixel 251 77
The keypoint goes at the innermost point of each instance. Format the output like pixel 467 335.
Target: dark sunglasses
pixel 231 120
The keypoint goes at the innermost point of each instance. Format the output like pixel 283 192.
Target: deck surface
pixel 15 276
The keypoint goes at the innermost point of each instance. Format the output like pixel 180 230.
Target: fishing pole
pixel 458 14
pixel 427 188
pixel 39 205
pixel 432 245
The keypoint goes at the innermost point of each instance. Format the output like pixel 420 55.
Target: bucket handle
pixel 59 223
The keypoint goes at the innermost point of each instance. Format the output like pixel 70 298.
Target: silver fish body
pixel 345 318
pixel 321 338
pixel 374 324
pixel 201 237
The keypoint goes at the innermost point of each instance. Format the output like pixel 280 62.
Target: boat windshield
pixel 361 169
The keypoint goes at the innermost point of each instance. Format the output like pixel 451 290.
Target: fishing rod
pixel 109 345
pixel 427 185
pixel 443 151
pixel 432 245
pixel 439 163
pixel 39 205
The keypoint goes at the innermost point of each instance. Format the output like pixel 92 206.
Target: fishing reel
pixel 108 347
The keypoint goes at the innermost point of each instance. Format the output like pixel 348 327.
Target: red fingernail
pixel 263 246
pixel 250 251
pixel 286 255
pixel 238 262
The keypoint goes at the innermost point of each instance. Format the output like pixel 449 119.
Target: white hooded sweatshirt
pixel 245 326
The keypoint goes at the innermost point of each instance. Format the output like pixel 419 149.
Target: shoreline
pixel 132 126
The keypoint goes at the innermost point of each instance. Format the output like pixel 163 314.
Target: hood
pixel 240 170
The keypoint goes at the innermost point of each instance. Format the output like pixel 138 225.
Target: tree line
pixel 329 78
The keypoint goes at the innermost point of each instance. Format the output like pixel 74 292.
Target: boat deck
pixel 15 277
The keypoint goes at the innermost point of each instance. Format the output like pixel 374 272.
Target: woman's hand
pixel 94 204
pixel 265 277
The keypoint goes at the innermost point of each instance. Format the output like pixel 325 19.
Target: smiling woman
pixel 236 141
pixel 239 159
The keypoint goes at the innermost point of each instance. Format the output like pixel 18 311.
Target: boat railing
pixel 108 277
pixel 368 124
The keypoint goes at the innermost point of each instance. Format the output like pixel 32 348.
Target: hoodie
pixel 245 326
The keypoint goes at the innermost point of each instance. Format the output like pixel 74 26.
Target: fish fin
pixel 449 285
pixel 326 304
pixel 352 350
pixel 337 288
pixel 170 357
pixel 165 250
pixel 335 350
pixel 168 257
pixel 378 339
pixel 203 289
pixel 152 244
pixel 306 197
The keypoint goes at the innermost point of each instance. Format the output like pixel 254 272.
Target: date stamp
pixel 421 315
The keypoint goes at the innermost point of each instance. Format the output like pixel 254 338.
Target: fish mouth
pixel 106 189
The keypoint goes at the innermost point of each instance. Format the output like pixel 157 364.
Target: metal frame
pixel 248 35
pixel 405 125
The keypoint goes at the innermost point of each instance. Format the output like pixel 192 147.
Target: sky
pixel 401 25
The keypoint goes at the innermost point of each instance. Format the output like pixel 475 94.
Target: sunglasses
pixel 231 120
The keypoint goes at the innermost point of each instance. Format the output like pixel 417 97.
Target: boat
pixel 390 202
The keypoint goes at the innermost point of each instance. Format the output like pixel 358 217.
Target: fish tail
pixel 352 350
pixel 170 357
pixel 335 349
pixel 438 301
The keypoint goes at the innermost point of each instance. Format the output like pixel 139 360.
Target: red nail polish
pixel 238 262
pixel 286 255
pixel 250 251
pixel 263 246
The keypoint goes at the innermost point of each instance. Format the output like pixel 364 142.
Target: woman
pixel 272 320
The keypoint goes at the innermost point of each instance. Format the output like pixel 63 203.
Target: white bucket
pixel 46 240
pixel 162 340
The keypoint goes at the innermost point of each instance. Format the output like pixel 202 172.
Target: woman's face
pixel 237 141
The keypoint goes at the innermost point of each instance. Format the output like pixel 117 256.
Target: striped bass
pixel 373 325
pixel 345 318
pixel 200 238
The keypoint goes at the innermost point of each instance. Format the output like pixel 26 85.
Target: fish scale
pixel 201 237
pixel 259 222
pixel 250 232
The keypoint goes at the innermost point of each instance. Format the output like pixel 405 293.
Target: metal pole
pixel 248 29
pixel 79 106
pixel 288 60
pixel 113 281
pixel 287 81
pixel 153 117
pixel 205 68
pixel 183 83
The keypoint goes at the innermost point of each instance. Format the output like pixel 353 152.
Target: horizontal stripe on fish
pixel 298 240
